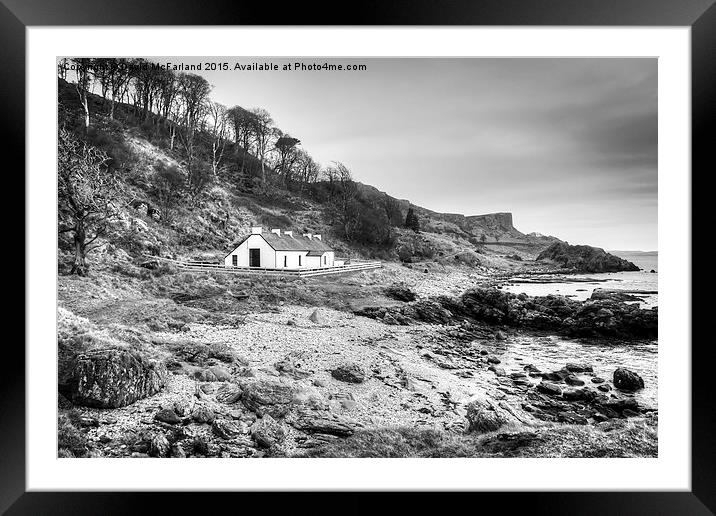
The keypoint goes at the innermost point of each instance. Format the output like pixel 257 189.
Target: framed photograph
pixel 429 248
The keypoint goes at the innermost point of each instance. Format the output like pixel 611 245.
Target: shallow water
pixel 551 353
pixel 578 286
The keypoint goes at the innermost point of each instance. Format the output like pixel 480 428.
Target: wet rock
pixel 267 432
pixel 112 378
pixel 549 389
pixel 500 335
pixel 227 429
pixel 159 446
pixel 167 416
pixel 228 393
pixel 579 368
pixel 597 379
pixel 627 380
pixel 531 368
pixel 604 387
pixel 493 360
pixel 350 373
pixel 573 380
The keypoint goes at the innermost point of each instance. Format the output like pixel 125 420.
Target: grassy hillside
pixel 143 158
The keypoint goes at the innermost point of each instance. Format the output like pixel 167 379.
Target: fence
pixel 195 266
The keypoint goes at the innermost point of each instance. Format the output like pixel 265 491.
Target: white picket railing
pixel 191 266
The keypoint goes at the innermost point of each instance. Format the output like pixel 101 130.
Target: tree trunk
pixel 79 266
pixel 87 113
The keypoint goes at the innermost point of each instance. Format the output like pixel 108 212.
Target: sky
pixel 569 146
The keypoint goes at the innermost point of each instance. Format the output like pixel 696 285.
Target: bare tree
pixel 307 169
pixel 219 129
pixel 343 197
pixel 243 123
pixel 113 76
pixel 262 125
pixel 88 196
pixel 83 69
pixel 194 93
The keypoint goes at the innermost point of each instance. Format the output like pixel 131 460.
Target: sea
pixel 580 286
pixel 640 357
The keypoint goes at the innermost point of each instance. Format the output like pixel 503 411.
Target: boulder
pixel 111 378
pixel 549 389
pixel 573 380
pixel 202 414
pixel 579 368
pixel 267 432
pixel 323 422
pixel 627 380
pixel 213 374
pixel 273 397
pixel 484 416
pixel 228 393
pixel 400 293
pixel 159 446
pixel 350 373
pixel 315 317
pixel 227 429
pixel 167 416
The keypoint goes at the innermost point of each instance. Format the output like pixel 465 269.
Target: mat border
pixel 700 15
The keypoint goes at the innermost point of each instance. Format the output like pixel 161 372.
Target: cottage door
pixel 254 257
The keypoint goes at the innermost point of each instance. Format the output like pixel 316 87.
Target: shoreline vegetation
pixel 425 357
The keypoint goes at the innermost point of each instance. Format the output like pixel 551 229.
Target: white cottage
pixel 274 250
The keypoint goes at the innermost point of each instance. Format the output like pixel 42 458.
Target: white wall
pixel 291 259
pixel 268 255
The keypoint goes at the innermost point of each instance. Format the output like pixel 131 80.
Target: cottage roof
pixel 314 246
pixel 295 243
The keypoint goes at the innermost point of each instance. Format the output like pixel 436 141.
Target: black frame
pixel 700 15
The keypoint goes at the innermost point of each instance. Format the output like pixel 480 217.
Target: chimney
pixel 288 233
pixel 277 231
pixel 308 235
pixel 256 230
pixel 317 237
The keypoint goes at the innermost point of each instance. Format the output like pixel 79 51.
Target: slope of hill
pixel 141 152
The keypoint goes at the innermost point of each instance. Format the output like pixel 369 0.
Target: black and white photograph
pixel 311 257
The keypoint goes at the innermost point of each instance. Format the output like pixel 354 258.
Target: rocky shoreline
pixel 295 381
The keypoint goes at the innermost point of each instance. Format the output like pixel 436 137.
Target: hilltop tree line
pixel 239 145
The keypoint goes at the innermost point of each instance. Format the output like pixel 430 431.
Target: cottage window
pixel 299 260
pixel 285 260
pixel 234 260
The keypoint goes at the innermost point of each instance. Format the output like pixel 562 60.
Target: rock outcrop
pixel 584 258
pixel 627 380
pixel 591 318
pixel 111 378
